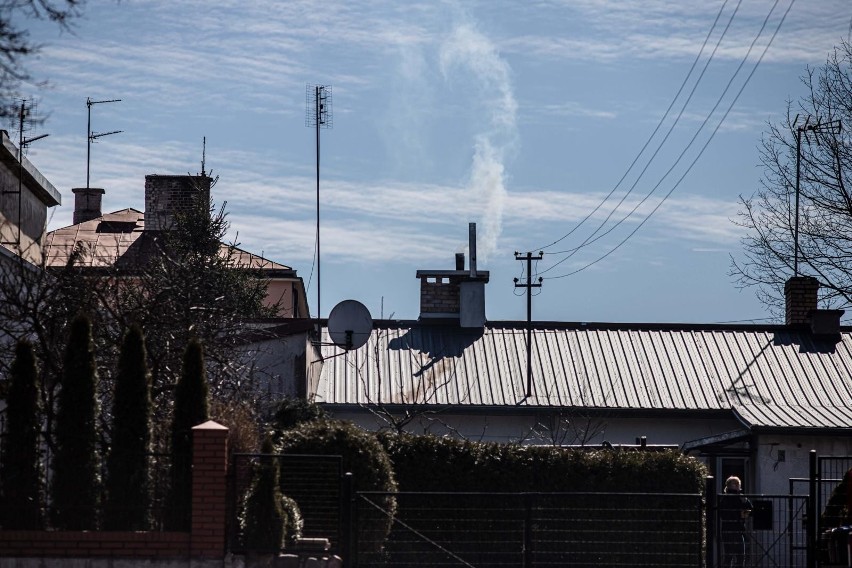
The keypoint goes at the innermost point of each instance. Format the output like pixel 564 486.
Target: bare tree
pixel 814 133
pixel 16 45
pixel 187 284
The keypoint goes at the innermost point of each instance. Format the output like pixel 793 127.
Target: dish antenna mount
pixel 350 324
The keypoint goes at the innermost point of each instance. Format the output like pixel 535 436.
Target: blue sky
pixel 519 116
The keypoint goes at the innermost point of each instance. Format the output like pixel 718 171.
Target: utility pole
pixel 529 285
pixel 834 127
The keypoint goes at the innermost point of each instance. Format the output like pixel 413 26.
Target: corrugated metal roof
pixel 770 376
pixel 118 237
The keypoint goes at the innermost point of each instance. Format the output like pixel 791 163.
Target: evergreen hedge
pixel 191 408
pixel 264 519
pixel 75 488
pixel 431 463
pixel 21 477
pixel 127 505
pixel 589 507
pixel 364 457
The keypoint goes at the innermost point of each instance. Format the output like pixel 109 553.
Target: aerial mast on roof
pixel 24 113
pixel 92 136
pixel 318 115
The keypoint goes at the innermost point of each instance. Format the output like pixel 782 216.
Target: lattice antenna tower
pixel 93 136
pixel 318 115
pixel 25 125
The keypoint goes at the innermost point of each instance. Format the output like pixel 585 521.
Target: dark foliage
pixel 16 46
pixel 191 408
pixel 293 411
pixel 127 489
pixel 21 476
pixel 75 489
pixel 186 284
pixel 836 512
pixel 264 518
pixel 364 457
pixel 461 465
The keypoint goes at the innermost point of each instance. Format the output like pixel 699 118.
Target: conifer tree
pixel 75 488
pixel 264 519
pixel 20 465
pixel 127 489
pixel 190 409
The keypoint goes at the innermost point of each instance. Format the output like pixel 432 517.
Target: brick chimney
pixel 800 293
pixel 455 294
pixel 87 203
pixel 166 195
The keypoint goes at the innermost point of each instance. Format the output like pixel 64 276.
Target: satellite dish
pixel 350 324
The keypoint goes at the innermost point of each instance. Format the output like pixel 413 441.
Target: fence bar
pixel 812 509
pixel 710 493
pixel 528 530
pixel 347 526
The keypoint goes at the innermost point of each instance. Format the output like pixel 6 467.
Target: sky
pixel 614 137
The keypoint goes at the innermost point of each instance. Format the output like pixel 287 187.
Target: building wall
pixel 33 213
pixel 523 428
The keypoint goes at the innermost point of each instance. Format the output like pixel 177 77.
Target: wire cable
pixel 700 153
pixel 591 238
pixel 651 137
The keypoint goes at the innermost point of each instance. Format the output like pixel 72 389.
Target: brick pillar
pixel 800 293
pixel 209 489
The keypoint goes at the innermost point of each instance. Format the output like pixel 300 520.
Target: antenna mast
pixel 91 136
pixel 23 142
pixel 318 115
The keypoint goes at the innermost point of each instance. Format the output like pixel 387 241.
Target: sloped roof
pixel 119 237
pixel 768 376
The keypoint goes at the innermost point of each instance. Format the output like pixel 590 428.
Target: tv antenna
pixel 93 136
pixel 24 113
pixel 832 127
pixel 318 115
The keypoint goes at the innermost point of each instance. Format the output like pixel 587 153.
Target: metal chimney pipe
pixel 472 246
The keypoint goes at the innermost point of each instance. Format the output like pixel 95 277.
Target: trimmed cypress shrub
pixel 364 457
pixel 264 519
pixel 127 504
pixel 191 408
pixel 21 476
pixel 75 488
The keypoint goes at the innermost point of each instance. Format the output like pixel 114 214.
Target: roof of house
pixel 771 377
pixel 119 237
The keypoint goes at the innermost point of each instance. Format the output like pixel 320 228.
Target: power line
pixel 692 164
pixel 591 238
pixel 660 123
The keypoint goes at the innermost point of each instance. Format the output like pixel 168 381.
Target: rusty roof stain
pixel 767 376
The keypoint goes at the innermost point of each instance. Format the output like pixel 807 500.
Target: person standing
pixel 734 509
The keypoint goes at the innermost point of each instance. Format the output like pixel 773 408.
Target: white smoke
pixel 469 51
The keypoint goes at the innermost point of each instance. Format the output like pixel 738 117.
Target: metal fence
pixel 775 532
pixel 313 481
pixel 531 530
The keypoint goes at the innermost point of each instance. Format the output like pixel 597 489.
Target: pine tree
pixel 75 488
pixel 127 488
pixel 20 465
pixel 190 409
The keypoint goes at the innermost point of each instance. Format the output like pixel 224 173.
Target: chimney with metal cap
pixel 87 203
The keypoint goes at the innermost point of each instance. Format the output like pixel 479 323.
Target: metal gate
pixel 775 532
